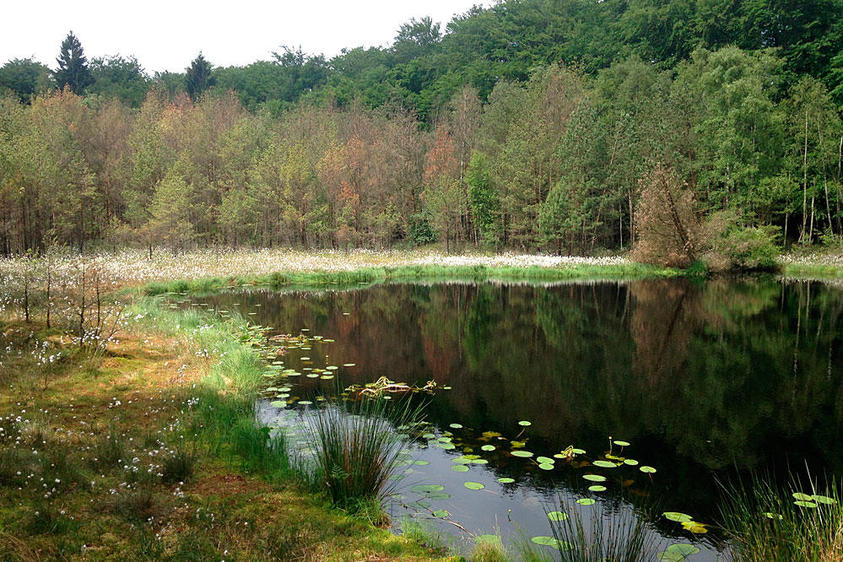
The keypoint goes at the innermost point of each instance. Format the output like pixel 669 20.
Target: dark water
pixel 706 381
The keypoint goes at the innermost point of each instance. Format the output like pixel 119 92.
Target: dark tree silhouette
pixel 73 69
pixel 198 77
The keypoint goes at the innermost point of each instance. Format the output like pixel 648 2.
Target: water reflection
pixel 704 379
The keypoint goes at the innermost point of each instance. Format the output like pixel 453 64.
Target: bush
pixel 752 248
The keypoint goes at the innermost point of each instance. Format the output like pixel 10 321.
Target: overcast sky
pixel 167 35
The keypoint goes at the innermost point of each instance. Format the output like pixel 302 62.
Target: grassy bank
pixel 415 273
pixel 150 451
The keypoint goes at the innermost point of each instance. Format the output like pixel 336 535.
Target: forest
pixel 573 127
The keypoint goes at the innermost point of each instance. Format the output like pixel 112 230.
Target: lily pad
pixel 597 488
pixel 630 462
pixel 557 516
pixel 506 480
pixel 823 499
pixel 622 443
pixel 594 477
pixel 459 468
pixel 647 469
pixel 441 513
pixel 455 426
pixel 487 448
pixel 544 460
pixel 427 488
pixel 525 423
pixel 677 516
pixel 278 404
pixel 547 466
pixel 522 454
pixel 604 464
pixel 474 485
pixel 586 501
pixel 694 527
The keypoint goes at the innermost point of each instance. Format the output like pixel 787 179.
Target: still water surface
pixel 705 381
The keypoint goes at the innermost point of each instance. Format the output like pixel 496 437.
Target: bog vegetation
pixel 710 142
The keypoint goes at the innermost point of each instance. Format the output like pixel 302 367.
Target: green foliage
pixel 25 78
pixel 119 78
pixel 752 248
pixel 73 69
pixel 198 77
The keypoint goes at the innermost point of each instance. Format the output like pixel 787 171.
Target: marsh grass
pixel 357 447
pixel 595 533
pixel 763 522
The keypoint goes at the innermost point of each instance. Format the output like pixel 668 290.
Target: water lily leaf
pixel 428 436
pixel 278 404
pixel 595 477
pixel 427 488
pixel 557 516
pixel 348 364
pixel 622 443
pixel 547 466
pixel 517 444
pixel 487 448
pixel 446 446
pixel 597 488
pixel 647 469
pixel 586 501
pixel 441 513
pixel 694 527
pixel 490 434
pixel 474 485
pixel 522 454
pixel 525 423
pixel 506 480
pixel 544 460
pixel 421 463
pixel 479 461
pixel 677 516
pixel 305 402
pixel 630 462
pixel 455 426
pixel 805 504
pixel 823 499
pixel 437 496
pixel 420 504
pixel 462 460
pixel 459 468
pixel 578 451
pixel 802 497
pixel 604 464
pixel 684 549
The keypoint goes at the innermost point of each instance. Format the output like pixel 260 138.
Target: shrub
pixel 752 248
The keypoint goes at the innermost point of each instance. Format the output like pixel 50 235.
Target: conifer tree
pixel 198 77
pixel 73 66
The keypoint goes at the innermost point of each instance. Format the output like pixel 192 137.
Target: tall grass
pixel 357 448
pixel 595 534
pixel 763 522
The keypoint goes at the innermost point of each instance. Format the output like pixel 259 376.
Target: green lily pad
pixel 479 461
pixel 622 443
pixel 544 460
pixel 441 513
pixel 427 488
pixel 604 464
pixel 578 451
pixel 586 501
pixel 474 485
pixel 305 402
pixel 678 552
pixel 647 469
pixel 525 423
pixel 522 454
pixel 557 516
pixel 459 468
pixel 630 462
pixel 428 436
pixel 551 542
pixel 547 466
pixel 487 448
pixel 823 499
pixel 421 463
pixel 506 480
pixel 455 426
pixel 677 516
pixel 278 404
pixel 594 477
pixel 597 488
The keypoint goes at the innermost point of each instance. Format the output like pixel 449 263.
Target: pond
pixel 704 381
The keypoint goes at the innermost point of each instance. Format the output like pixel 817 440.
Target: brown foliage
pixel 667 228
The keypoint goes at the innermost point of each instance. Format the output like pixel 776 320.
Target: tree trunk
pixel 805 180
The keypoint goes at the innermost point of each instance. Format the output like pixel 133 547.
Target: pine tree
pixel 198 77
pixel 73 66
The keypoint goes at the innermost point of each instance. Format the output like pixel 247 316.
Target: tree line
pixel 717 148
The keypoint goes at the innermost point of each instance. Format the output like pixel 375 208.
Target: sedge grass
pixel 764 522
pixel 357 448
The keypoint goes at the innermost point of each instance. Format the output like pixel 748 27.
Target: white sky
pixel 167 35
